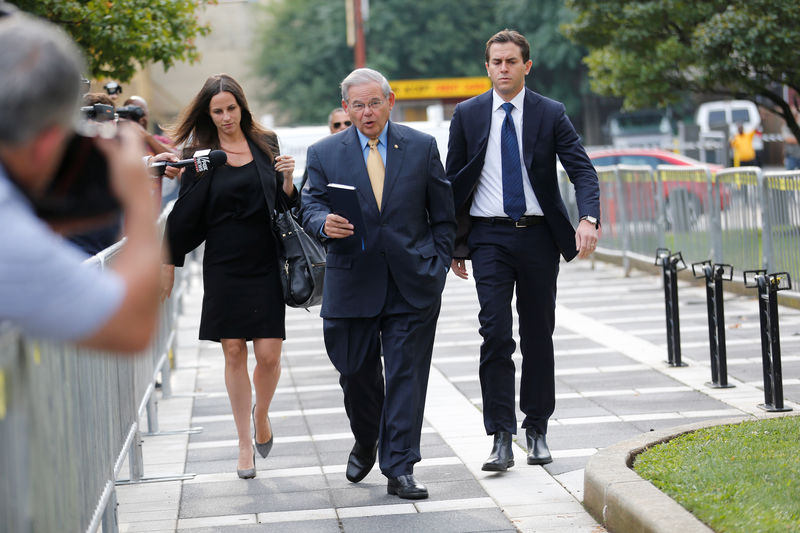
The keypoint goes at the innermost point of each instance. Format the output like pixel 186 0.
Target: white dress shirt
pixel 488 199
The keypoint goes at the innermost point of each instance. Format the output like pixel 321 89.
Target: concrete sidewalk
pixel 611 384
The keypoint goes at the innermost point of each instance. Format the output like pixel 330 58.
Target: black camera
pixel 112 88
pixel 80 190
pixel 98 112
pixel 131 112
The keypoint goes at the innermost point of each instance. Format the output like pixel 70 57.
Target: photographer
pixel 44 287
pixel 135 109
pixel 97 239
pixel 113 89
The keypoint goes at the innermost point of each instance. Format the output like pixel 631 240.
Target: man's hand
pixel 337 227
pixel 459 268
pixel 585 239
pixel 169 172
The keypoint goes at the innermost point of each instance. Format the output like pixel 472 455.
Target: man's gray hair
pixel 40 84
pixel 361 76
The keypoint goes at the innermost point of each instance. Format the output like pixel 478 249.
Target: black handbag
pixel 301 260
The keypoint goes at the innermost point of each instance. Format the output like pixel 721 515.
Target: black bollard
pixel 671 264
pixel 768 286
pixel 715 275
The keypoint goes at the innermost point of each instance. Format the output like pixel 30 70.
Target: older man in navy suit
pixel 513 225
pixel 382 294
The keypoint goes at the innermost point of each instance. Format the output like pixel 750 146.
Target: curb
pixel 623 502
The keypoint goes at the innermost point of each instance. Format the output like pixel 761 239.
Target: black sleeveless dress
pixel 242 292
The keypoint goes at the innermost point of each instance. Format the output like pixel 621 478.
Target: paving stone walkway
pixel 611 384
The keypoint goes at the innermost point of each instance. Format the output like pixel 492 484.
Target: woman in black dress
pixel 230 208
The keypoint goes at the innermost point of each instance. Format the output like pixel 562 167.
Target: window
pixel 606 161
pixel 716 119
pixel 740 115
pixel 640 160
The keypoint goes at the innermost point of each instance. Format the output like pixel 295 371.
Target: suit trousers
pixel 391 415
pixel 505 257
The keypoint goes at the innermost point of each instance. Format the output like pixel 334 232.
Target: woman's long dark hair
pixel 195 127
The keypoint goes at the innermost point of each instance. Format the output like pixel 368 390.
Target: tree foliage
pixel 304 55
pixel 120 36
pixel 649 52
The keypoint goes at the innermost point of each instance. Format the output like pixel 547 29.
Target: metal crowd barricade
pixel 643 209
pixel 687 210
pixel 741 216
pixel 68 418
pixel 781 205
pixel 741 242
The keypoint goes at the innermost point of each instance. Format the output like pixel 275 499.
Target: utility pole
pixel 361 47
pixel 354 12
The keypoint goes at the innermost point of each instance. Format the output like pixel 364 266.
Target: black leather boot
pixel 502 457
pixel 538 452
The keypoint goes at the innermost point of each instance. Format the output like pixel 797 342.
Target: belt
pixel 523 222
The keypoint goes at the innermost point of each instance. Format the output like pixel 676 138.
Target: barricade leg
pixel 135 459
pixel 110 522
pixel 152 414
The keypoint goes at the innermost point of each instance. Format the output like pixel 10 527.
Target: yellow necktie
pixel 376 171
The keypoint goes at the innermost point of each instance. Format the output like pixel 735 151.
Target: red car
pixel 645 156
pixel 697 191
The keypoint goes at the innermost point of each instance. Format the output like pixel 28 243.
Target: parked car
pixel 694 195
pixel 645 156
pixel 643 128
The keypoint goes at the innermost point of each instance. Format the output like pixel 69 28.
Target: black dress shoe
pixel 360 462
pixel 502 457
pixel 538 452
pixel 407 487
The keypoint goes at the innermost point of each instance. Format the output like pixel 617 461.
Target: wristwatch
pixel 591 220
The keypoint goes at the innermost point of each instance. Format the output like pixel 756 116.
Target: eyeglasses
pixel 346 123
pixel 358 107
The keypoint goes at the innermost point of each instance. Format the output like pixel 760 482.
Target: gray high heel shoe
pixel 265 447
pixel 248 473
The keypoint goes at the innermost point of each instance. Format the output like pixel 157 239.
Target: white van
pixel 730 112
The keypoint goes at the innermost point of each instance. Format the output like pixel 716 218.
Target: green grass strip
pixel 736 478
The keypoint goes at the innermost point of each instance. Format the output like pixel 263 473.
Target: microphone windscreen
pixel 217 158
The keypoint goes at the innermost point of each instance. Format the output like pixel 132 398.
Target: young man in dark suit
pixel 513 225
pixel 382 295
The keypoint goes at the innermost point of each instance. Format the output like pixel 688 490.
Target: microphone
pixel 201 161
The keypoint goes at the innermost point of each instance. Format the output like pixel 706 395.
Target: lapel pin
pixel 396 147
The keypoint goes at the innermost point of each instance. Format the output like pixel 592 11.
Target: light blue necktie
pixel 513 194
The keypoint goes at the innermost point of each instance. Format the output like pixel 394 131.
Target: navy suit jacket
pixel 410 238
pixel 546 133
